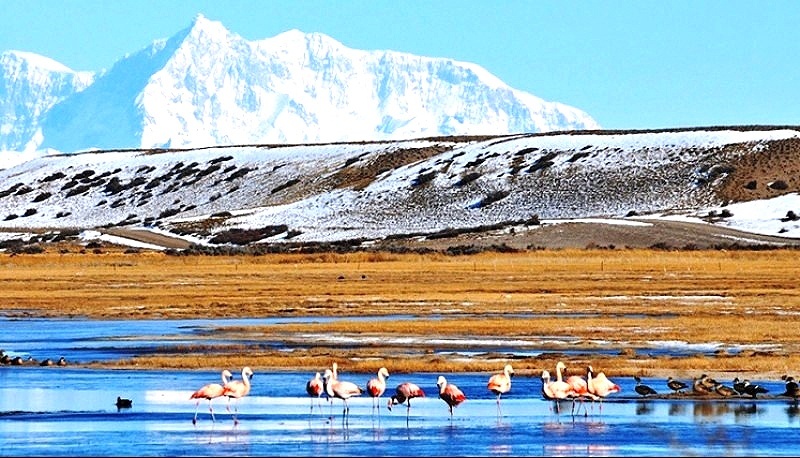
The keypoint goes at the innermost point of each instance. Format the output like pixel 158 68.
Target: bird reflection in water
pixel 711 409
pixel 677 408
pixel 746 410
pixel 644 408
pixel 793 411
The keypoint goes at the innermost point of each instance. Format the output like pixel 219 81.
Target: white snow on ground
pixel 95 235
pixel 338 214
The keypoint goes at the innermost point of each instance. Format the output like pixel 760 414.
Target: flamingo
pixel 376 387
pixel 404 393
pixel 600 385
pixel 314 388
pixel 238 389
pixel 500 384
pixel 340 389
pixel 210 391
pixel 580 389
pixel 450 394
pixel 556 390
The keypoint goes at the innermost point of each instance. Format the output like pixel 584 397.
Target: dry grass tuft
pixel 624 299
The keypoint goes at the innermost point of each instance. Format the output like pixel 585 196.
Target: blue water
pixel 70 411
pixel 60 411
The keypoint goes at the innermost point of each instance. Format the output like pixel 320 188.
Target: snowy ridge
pixel 746 178
pixel 207 86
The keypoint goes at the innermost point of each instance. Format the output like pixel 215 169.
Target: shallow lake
pixel 70 411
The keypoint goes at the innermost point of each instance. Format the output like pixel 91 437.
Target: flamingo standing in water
pixel 340 389
pixel 314 388
pixel 210 391
pixel 600 385
pixel 376 387
pixel 500 384
pixel 450 394
pixel 238 389
pixel 579 386
pixel 556 390
pixel 404 393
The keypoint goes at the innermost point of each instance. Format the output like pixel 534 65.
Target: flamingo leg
pixel 211 409
pixel 196 408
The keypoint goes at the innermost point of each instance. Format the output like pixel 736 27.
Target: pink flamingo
pixel 210 391
pixel 556 390
pixel 376 387
pixel 500 384
pixel 580 388
pixel 314 388
pixel 238 389
pixel 340 389
pixel 450 394
pixel 404 393
pixel 600 385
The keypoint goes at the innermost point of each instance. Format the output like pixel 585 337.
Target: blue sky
pixel 629 64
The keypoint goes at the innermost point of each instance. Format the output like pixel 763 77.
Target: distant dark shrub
pixel 468 178
pixel 41 197
pixel 491 198
pixel 288 184
pixel 778 185
pixel 29 212
pixel 246 236
pixel 424 178
pixel 55 176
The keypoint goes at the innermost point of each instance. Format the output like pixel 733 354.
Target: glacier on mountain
pixel 207 86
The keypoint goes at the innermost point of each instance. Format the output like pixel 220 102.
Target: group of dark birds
pixel 705 385
pixel 8 360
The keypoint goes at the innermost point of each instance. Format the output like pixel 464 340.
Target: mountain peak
pixel 203 27
pixel 34 60
pixel 206 86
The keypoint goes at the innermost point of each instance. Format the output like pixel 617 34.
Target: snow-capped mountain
pixel 206 86
pixel 30 85
pixel 424 188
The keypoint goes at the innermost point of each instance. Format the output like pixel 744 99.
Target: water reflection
pixel 677 409
pixel 644 408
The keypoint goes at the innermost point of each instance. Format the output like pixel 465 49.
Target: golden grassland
pixel 558 300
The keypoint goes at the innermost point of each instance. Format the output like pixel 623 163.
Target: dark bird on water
pixel 123 403
pixel 676 385
pixel 792 389
pixel 703 385
pixel 738 385
pixel 723 390
pixel 752 389
pixel 643 389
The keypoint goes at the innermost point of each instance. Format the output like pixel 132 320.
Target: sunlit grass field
pixel 556 300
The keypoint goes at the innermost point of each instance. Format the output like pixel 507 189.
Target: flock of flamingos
pixel 594 387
